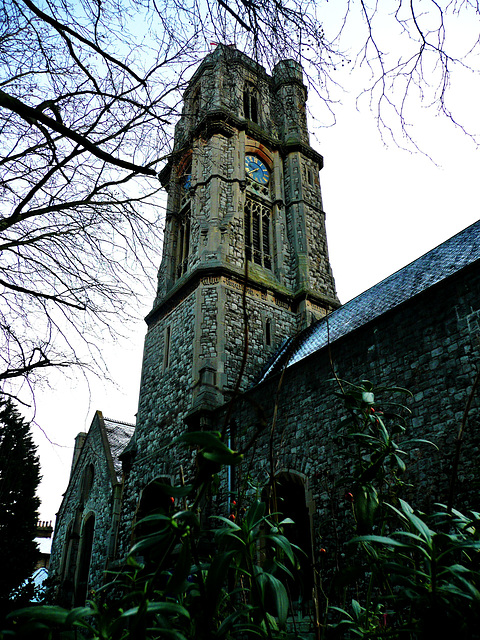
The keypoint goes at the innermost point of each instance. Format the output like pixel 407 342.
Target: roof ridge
pixel 426 271
pixel 126 424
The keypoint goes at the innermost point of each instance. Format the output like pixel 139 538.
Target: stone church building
pixel 245 260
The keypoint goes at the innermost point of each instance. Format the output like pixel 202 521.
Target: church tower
pixel 244 238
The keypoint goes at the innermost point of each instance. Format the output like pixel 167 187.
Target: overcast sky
pixel 385 207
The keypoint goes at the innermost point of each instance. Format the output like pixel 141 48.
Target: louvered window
pixel 258 233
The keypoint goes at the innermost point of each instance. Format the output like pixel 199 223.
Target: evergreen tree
pixel 19 479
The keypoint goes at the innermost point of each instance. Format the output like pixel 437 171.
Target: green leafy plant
pixel 419 573
pixel 196 575
pixel 185 579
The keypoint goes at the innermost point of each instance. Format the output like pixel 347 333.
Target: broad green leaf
pixel 279 593
pixel 47 613
pixel 283 568
pixel 284 544
pixel 234 619
pixel 167 633
pixel 255 514
pixel 216 576
pixel 473 591
pixel 158 607
pixel 419 525
pixel 456 569
pixel 181 569
pixel 342 611
pixel 159 518
pixel 177 492
pixel 400 463
pixel 187 516
pixel 148 542
pixel 379 540
pixel 420 441
pixel 225 457
pixel 229 523
pixel 77 614
pixel 167 607
pixel 357 609
pixel 365 506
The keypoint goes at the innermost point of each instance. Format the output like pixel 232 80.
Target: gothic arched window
pixel 258 232
pixel 182 223
pixel 250 102
pixel 84 560
pixel 290 500
pixel 182 241
pixel 258 211
pixel 87 482
pixel 196 104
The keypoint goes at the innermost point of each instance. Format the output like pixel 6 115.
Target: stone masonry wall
pixel 164 401
pixel 429 345
pixel 282 325
pixel 74 512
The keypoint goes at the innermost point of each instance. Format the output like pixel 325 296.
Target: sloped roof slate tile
pixel 438 264
pixel 119 435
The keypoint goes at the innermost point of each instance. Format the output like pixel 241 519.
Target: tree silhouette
pixel 19 479
pixel 88 99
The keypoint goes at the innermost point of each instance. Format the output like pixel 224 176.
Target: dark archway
pixel 154 499
pixel 84 561
pixel 67 566
pixel 291 502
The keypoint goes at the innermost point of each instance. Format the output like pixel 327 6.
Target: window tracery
pixel 181 223
pixel 258 221
pixel 258 232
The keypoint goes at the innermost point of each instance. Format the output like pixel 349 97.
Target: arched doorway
pixel 154 499
pixel 289 498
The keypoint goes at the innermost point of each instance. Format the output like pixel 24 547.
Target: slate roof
pixel 438 264
pixel 119 435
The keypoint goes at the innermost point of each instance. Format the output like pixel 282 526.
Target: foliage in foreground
pixel 420 572
pixel 412 575
pixel 185 580
pixel 19 479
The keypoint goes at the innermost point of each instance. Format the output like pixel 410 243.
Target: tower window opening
pixel 182 249
pixel 250 103
pixel 268 333
pixel 258 233
pixel 166 349
pixel 196 104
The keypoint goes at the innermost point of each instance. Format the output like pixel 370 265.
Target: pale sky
pixel 385 207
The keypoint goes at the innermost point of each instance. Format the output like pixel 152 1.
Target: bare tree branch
pixel 35 115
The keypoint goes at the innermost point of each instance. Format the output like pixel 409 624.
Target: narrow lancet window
pixel 166 349
pixel 182 244
pixel 268 332
pixel 250 102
